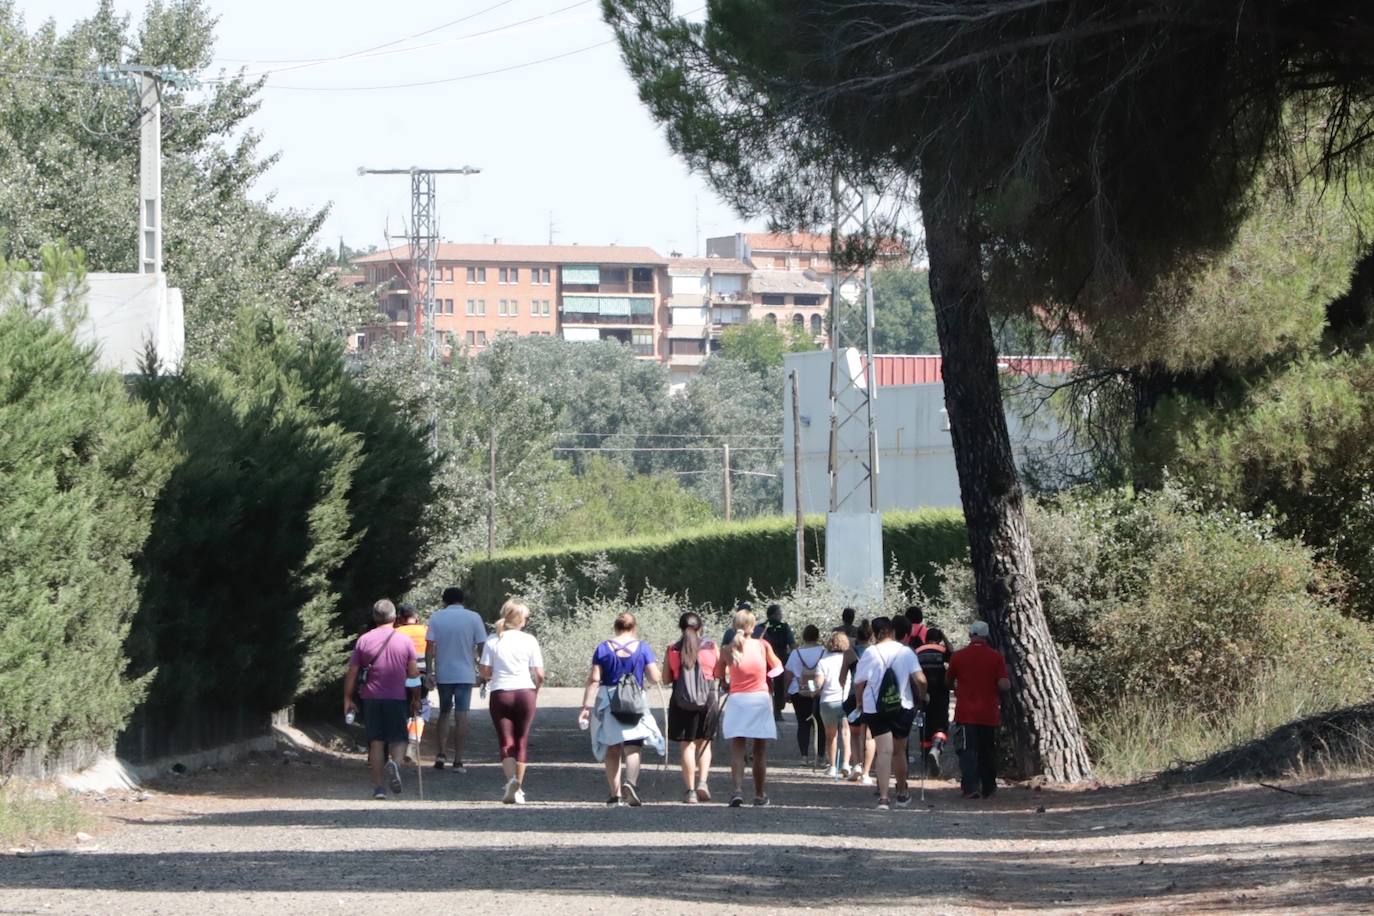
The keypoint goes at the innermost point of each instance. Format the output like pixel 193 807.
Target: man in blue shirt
pixel 452 644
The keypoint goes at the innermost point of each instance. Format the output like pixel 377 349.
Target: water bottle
pixel 350 717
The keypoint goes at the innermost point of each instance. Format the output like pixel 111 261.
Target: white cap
pixel 978 628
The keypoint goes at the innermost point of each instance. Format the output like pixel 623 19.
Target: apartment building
pixel 799 251
pixel 614 293
pixel 484 290
pixel 789 297
pixel 705 296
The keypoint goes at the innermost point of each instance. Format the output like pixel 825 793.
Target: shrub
pixel 274 524
pixel 82 466
pixel 719 564
pixel 1159 599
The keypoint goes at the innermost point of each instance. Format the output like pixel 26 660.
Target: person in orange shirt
pixel 748 662
pixel 408 625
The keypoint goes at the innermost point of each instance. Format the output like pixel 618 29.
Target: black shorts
pixel 687 724
pixel 385 720
pixel 898 724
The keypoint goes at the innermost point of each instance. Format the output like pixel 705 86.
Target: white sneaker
pixel 853 774
pixel 832 773
pixel 512 789
pixel 519 796
pixel 868 781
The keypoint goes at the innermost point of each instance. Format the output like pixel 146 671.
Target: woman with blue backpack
pixel 692 705
pixel 616 709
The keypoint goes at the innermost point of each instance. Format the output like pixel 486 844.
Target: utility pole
pixel 726 452
pixel 146 83
pixel 797 483
pixel 491 493
pixel 424 238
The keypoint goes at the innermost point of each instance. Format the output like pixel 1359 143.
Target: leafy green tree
pixel 82 467
pixel 903 315
pixel 1065 155
pixel 70 146
pixel 606 500
pixel 761 346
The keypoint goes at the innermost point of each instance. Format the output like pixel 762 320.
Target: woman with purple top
pixel 613 739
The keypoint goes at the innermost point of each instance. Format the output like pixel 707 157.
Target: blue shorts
pixel 385 720
pixel 454 696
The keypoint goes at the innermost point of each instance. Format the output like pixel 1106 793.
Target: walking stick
pixel 417 732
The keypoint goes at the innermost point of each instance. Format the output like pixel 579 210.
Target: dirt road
pixel 298 834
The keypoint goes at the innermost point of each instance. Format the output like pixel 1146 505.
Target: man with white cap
pixel 978 674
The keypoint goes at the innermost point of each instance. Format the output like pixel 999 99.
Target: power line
pixel 387 44
pixel 674 435
pixel 451 79
pixel 666 448
pixel 372 54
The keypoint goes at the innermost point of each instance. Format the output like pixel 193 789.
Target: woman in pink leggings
pixel 513 668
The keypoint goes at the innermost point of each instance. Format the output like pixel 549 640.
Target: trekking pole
pixel 419 769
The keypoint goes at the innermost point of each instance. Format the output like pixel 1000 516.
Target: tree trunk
pixel 1049 737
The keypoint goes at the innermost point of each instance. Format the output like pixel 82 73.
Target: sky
pixel 564 144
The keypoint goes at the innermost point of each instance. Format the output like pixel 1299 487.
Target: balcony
pixel 597 318
pixel 686 359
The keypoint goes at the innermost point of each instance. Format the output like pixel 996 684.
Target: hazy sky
pixel 566 140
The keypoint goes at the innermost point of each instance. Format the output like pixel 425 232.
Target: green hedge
pixel 716 564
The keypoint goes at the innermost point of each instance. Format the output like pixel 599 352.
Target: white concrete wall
pixel 916 460
pixel 126 312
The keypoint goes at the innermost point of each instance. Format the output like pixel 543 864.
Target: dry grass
pixel 27 816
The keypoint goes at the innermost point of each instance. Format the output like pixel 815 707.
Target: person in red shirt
pixel 978 674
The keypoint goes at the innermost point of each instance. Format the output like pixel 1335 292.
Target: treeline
pixel 196 547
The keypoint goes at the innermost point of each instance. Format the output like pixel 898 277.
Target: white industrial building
pixel 915 456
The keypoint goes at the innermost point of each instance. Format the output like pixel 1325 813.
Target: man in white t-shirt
pixel 888 721
pixel 452 643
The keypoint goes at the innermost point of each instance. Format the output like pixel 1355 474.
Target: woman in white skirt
pixel 748 716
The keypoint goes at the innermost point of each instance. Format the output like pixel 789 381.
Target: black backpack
pixel 775 634
pixel 691 690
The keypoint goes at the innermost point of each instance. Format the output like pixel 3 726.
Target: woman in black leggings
pixel 804 690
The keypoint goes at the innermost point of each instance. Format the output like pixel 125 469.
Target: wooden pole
pixel 491 496
pixel 726 451
pixel 797 483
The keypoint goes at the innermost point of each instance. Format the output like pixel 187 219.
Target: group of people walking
pixel 858 695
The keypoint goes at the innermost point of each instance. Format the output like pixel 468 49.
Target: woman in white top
pixel 831 706
pixel 803 684
pixel 513 668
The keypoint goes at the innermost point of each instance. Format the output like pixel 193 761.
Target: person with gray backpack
pixel 616 709
pixel 693 704
pixel 804 683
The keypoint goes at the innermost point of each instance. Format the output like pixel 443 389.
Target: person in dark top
pixel 933 655
pixel 919 631
pixel 847 624
pixel 778 635
pixel 901 630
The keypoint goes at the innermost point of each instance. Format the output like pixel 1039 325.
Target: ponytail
pixel 513 617
pixel 744 628
pixel 690 644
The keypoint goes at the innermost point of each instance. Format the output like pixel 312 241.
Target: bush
pixel 296 499
pixel 25 816
pixel 719 564
pixel 82 466
pixel 1164 609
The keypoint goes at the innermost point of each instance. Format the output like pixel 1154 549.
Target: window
pixel 548 276
pixel 472 307
pixel 545 308
pixel 472 338
pixel 448 306
pixel 481 306
pixel 816 325
pixel 505 275
pixel 806 301
pixel 774 299
pixel 541 276
pixel 798 320
pixel 771 318
pixel 481 338
pixel 514 275
pixel 643 343
pixel 477 275
pixel 514 308
pixel 501 306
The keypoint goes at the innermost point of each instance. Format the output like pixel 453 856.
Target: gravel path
pixel 282 834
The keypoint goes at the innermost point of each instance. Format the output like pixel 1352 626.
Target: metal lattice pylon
pixel 853 460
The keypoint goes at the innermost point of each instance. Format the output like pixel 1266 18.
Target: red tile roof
pixel 924 370
pixel 530 254
pixel 787 241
